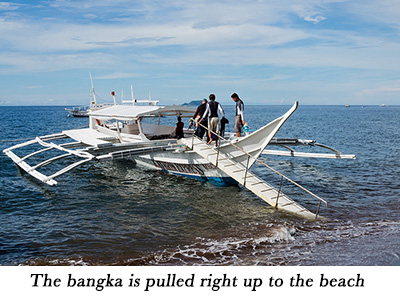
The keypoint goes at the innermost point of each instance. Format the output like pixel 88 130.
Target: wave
pixel 300 243
pixel 223 251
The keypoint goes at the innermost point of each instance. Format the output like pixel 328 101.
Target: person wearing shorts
pixel 213 120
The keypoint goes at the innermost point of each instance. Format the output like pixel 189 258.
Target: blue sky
pixel 269 52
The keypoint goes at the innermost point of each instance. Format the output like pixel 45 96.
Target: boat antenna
pixel 93 95
pixel 113 95
pixel 150 97
pixel 133 100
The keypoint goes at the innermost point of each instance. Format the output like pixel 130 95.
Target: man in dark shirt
pixel 212 113
pixel 197 117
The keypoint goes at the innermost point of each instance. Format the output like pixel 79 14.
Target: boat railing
pixel 219 138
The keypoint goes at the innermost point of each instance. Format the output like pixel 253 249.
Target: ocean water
pixel 117 213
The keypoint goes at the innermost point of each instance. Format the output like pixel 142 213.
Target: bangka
pixel 122 132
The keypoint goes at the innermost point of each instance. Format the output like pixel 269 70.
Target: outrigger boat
pixel 121 132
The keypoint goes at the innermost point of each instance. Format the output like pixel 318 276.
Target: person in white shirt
pixel 239 118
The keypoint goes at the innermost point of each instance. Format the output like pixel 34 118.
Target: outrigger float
pixel 121 132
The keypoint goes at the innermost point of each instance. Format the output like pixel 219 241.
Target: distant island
pixel 193 103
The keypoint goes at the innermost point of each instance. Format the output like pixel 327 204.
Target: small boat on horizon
pixel 83 111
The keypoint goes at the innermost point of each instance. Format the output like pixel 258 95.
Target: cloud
pixel 269 42
pixel 119 75
pixel 308 13
pixel 314 19
pixel 71 37
pixel 33 87
pixel 4 6
pixel 128 41
pixel 383 90
pixel 90 16
pixel 385 12
pixel 88 46
pixel 17 62
pixel 235 78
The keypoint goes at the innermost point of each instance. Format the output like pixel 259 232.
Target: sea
pixel 117 213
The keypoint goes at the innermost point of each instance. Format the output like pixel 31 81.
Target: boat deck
pixel 90 137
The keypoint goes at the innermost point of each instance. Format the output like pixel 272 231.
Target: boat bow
pixel 255 143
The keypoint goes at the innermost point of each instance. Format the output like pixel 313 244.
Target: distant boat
pixel 383 105
pixel 83 111
pixel 78 111
pixel 347 105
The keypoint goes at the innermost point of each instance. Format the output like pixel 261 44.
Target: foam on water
pixel 271 244
pixel 228 250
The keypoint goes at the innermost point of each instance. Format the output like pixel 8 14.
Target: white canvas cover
pixel 129 112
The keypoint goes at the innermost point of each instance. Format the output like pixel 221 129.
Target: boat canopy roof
pixel 129 112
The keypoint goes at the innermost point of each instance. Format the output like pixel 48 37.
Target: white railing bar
pixel 256 159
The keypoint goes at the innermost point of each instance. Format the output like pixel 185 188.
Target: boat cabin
pixel 142 123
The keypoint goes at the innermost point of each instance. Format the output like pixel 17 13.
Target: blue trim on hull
pixel 188 170
pixel 218 181
pixel 223 181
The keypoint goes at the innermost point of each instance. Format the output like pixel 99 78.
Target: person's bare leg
pixel 209 142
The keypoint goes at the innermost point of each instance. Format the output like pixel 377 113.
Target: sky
pixel 324 52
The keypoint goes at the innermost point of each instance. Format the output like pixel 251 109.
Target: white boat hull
pixel 186 164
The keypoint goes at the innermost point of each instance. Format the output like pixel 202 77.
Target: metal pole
pixel 218 145
pixel 319 205
pixel 118 131
pixel 279 191
pixel 193 139
pixel 247 168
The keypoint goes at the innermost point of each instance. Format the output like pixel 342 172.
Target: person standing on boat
pixel 239 118
pixel 197 117
pixel 179 128
pixel 213 120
